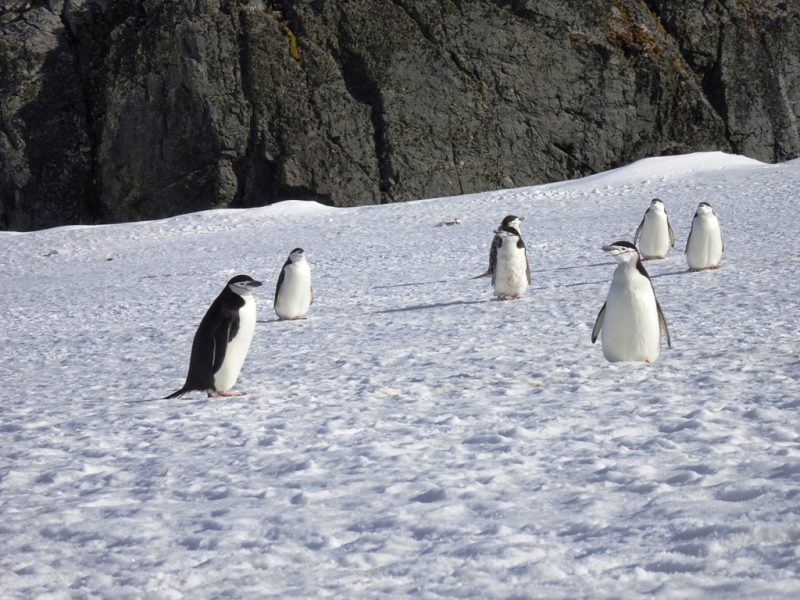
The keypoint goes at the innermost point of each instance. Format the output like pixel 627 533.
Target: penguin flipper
pixel 492 257
pixel 221 338
pixel 598 324
pixel 234 327
pixel 281 277
pixel 671 235
pixel 688 239
pixel 662 322
pixel 638 232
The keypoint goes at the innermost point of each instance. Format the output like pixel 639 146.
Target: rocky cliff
pixel 118 110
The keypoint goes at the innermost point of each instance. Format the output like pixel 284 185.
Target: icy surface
pixel 412 437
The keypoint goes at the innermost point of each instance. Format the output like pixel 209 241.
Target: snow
pixel 413 437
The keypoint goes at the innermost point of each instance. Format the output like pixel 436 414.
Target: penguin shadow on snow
pixel 429 306
pixel 603 264
pixel 398 285
pixel 279 320
pixel 686 271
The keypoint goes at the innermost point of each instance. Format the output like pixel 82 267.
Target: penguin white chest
pixel 294 296
pixel 654 241
pixel 704 249
pixel 237 349
pixel 631 330
pixel 511 271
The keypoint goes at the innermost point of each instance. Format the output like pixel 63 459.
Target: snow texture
pixel 413 437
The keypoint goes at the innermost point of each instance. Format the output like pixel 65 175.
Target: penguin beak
pixel 253 284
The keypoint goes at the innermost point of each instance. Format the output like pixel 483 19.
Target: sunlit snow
pixel 413 437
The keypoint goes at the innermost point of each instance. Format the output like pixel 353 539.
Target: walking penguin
pixel 293 294
pixel 654 235
pixel 631 319
pixel 222 340
pixel 511 273
pixel 704 246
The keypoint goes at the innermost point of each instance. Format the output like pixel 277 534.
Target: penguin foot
pixel 224 394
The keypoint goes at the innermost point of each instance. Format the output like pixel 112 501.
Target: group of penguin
pixel 631 320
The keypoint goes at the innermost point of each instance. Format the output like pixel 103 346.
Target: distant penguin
pixel 511 274
pixel 510 221
pixel 704 246
pixel 631 319
pixel 293 294
pixel 654 235
pixel 222 341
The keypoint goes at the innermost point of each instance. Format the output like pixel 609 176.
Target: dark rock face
pixel 138 109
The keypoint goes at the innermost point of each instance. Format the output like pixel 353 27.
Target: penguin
pixel 654 235
pixel 222 340
pixel 293 294
pixel 631 318
pixel 509 221
pixel 704 246
pixel 511 274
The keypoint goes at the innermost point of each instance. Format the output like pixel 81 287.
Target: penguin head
pixel 622 251
pixel 512 221
pixel 298 254
pixel 704 208
pixel 243 285
pixel 656 204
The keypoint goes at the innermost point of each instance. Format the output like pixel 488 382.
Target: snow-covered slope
pixel 412 437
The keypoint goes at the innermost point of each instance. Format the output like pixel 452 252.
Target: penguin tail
pixel 487 274
pixel 177 394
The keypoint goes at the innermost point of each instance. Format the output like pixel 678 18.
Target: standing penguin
pixel 293 294
pixel 704 246
pixel 631 318
pixel 222 341
pixel 654 235
pixel 510 221
pixel 511 274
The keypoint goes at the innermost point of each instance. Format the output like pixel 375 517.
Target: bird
pixel 222 340
pixel 631 319
pixel 654 235
pixel 511 221
pixel 704 245
pixel 293 294
pixel 511 274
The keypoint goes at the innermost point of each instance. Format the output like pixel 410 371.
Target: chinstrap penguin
pixel 654 235
pixel 511 274
pixel 293 294
pixel 510 221
pixel 704 246
pixel 631 319
pixel 222 341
